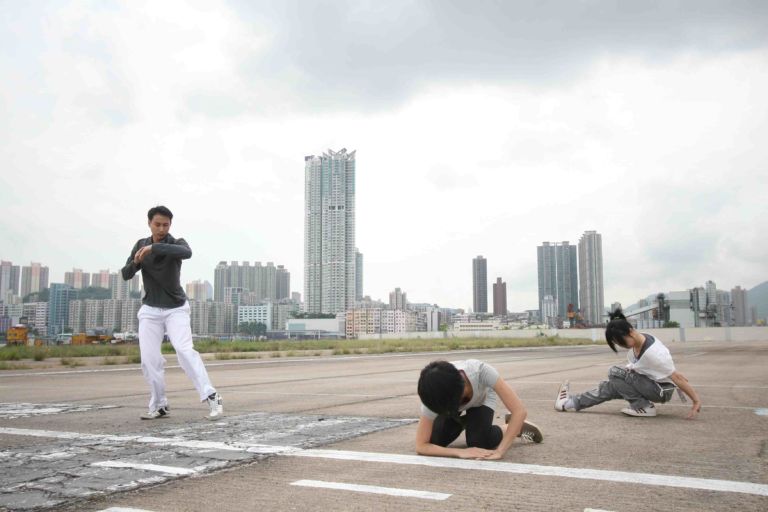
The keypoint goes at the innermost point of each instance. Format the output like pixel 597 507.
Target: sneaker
pixel 647 412
pixel 160 412
pixel 215 406
pixel 563 396
pixel 530 431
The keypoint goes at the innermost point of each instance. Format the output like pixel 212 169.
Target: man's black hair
pixel 441 387
pixel 159 210
pixel 617 328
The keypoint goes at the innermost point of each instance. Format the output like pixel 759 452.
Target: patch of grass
pixel 109 360
pixel 71 362
pixel 40 354
pixel 134 359
pixel 276 354
pixel 4 365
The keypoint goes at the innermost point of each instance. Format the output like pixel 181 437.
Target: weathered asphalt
pixel 66 452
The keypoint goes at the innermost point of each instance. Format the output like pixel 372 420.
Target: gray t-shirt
pixel 482 377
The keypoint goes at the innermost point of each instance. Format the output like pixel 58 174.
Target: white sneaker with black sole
pixel 643 412
pixel 530 431
pixel 160 412
pixel 563 398
pixel 216 409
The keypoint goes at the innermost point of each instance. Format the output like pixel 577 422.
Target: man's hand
pixel 695 409
pixel 474 453
pixel 141 253
pixel 494 455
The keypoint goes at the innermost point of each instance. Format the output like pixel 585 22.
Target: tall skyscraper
pixel 499 298
pixel 329 232
pixel 77 279
pixel 58 307
pixel 398 299
pixel 591 291
pixel 740 306
pixel 479 285
pixel 358 275
pixel 34 278
pixel 558 277
pixel 9 279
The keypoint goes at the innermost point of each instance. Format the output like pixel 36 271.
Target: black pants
pixel 478 422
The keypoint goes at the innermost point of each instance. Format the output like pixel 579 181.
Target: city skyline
pixel 526 124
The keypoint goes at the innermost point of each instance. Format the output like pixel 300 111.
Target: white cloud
pixel 127 107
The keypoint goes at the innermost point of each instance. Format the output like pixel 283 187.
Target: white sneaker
pixel 215 407
pixel 160 412
pixel 563 394
pixel 529 432
pixel 647 412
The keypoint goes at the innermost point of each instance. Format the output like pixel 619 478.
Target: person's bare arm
pixel 682 383
pixel 515 425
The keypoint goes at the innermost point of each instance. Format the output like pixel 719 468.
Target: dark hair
pixel 440 387
pixel 159 210
pixel 617 328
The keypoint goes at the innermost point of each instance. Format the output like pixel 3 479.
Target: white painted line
pixel 533 469
pixel 761 412
pixel 161 441
pixel 124 509
pixel 373 489
pixel 502 467
pixel 171 470
pixel 595 510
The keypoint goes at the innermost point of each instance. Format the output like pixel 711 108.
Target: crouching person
pixel 462 396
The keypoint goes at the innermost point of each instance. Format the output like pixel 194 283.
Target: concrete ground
pixel 305 433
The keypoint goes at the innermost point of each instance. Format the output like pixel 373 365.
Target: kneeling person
pixel 470 387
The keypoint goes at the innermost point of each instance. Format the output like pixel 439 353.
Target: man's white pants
pixel 154 323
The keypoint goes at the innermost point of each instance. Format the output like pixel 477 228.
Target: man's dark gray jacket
pixel 160 271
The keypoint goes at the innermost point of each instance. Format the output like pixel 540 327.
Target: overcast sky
pixel 480 127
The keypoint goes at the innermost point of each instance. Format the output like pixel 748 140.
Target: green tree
pixel 252 329
pixel 671 324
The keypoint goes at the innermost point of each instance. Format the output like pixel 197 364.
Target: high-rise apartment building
pixel 557 272
pixel 58 307
pixel 499 298
pixel 358 275
pixel 34 278
pixel 398 299
pixel 266 282
pixel 76 316
pixel 77 279
pixel 120 289
pixel 9 280
pixel 591 291
pixel 94 314
pixel 100 279
pixel 479 285
pixel 199 290
pixel 329 232
pixel 740 306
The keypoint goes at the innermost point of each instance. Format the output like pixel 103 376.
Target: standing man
pixel 165 310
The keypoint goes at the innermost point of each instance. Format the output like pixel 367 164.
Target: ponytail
pixel 617 328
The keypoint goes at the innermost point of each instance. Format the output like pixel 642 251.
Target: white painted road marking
pixel 162 441
pixel 373 489
pixel 124 509
pixel 503 467
pixel 595 510
pixel 534 469
pixel 171 470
